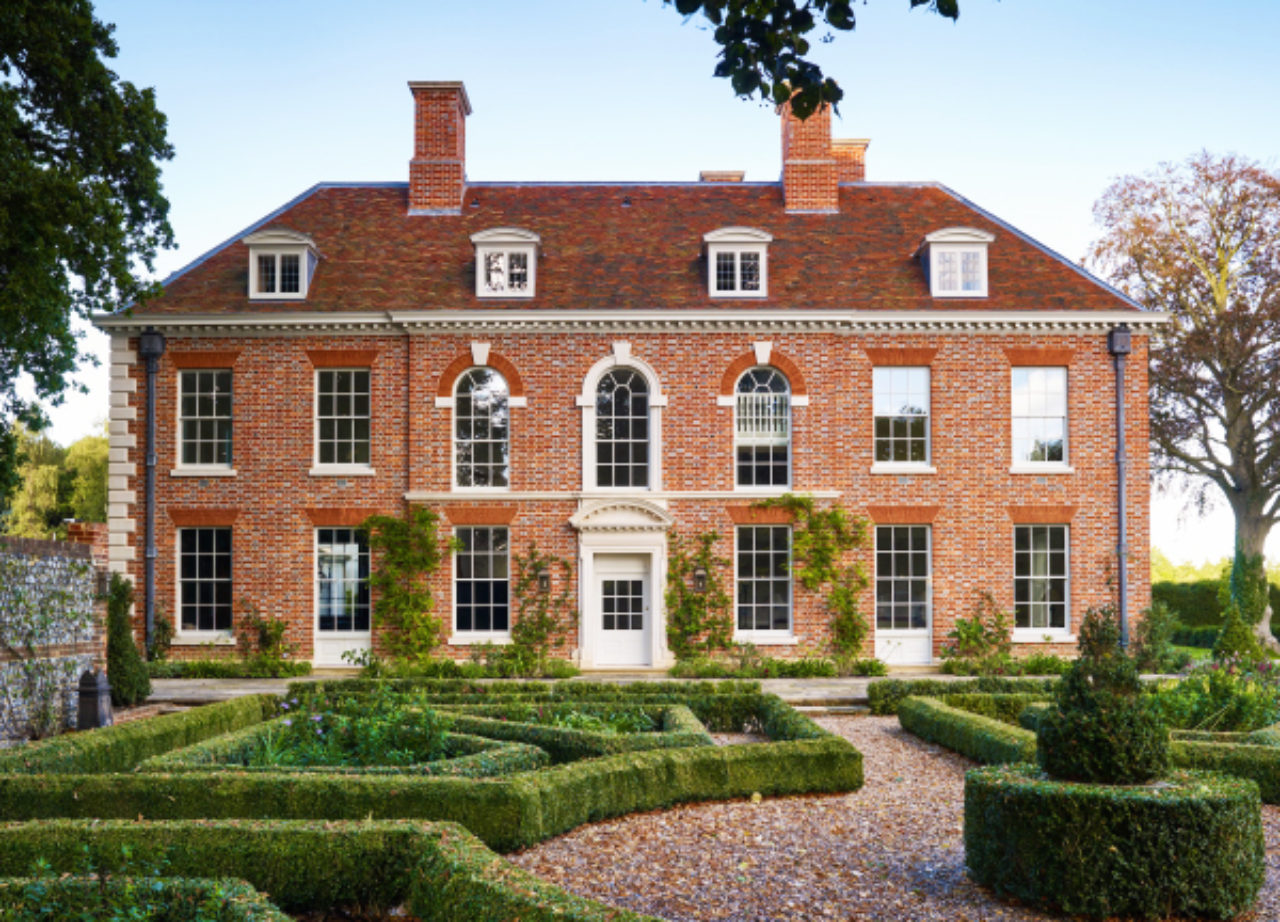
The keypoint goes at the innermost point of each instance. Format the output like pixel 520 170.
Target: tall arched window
pixel 622 430
pixel 481 430
pixel 762 428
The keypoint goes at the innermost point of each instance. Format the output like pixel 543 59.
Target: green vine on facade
pixel 543 617
pixel 406 553
pixel 698 622
pixel 820 541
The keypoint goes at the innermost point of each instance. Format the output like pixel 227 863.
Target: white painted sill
pixel 193 471
pixel 1034 636
pixel 1050 467
pixel 342 470
pixel 203 640
pixel 472 639
pixel 768 640
pixel 890 467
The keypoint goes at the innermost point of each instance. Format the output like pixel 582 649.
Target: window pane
pixel 204 579
pixel 481 584
pixel 764 577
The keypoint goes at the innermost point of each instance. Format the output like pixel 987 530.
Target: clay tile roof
pixel 619 246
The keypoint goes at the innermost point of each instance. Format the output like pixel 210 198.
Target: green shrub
pixel 1029 719
pixel 1153 649
pixel 121 747
pixel 1195 604
pixel 987 632
pixel 1202 637
pixel 47 896
pixel 885 695
pixel 1102 727
pixel 1005 708
pixel 237 668
pixel 1259 762
pixel 1223 697
pixel 983 739
pixel 126 671
pixel 1191 847
pixel 1005 664
pixel 1236 640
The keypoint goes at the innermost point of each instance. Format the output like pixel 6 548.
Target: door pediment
pixel 620 515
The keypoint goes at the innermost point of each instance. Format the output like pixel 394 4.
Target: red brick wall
pixel 973 491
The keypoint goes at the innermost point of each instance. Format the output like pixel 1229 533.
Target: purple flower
pixel 287 722
pixel 284 705
pixel 316 718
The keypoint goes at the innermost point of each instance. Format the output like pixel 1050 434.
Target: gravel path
pixel 892 851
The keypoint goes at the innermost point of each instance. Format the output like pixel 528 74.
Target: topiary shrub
pixel 127 673
pixel 1236 639
pixel 1102 727
pixel 1153 649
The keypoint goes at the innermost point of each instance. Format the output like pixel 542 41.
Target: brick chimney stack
pixel 438 170
pixel 851 158
pixel 809 169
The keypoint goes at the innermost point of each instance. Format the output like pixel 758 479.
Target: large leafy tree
pixel 1201 240
pixel 81 209
pixel 764 45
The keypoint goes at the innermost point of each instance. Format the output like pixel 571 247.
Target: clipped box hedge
pixel 1007 708
pixel 983 739
pixel 466 757
pixel 438 871
pixel 884 695
pixel 236 900
pixel 1190 845
pixel 122 747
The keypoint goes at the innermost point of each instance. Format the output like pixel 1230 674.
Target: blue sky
pixel 1028 108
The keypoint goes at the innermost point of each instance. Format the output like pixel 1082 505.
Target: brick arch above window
pixel 777 360
pixel 449 377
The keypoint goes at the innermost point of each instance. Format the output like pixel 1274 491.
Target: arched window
pixel 481 430
pixel 762 428
pixel 622 429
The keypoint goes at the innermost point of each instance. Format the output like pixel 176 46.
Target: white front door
pixel 904 633
pixel 623 609
pixel 342 596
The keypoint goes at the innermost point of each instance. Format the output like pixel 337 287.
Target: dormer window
pixel 281 263
pixel 737 262
pixel 955 261
pixel 506 262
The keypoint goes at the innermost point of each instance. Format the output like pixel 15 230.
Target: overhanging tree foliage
pixel 764 45
pixel 81 210
pixel 1201 240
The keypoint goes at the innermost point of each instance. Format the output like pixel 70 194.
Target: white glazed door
pixel 622 596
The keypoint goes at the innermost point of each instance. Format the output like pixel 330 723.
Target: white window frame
pixel 621 358
pixel 197 469
pixel 767 637
pixel 1044 634
pixel 1023 465
pixel 958 242
pixel 453 434
pixel 190 636
pixel 737 435
pixel 277 243
pixel 354 633
pixel 904 467
pixel 735 241
pixel 464 638
pixel 335 469
pixel 505 242
pixel 928 580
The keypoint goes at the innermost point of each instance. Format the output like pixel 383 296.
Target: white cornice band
pixel 635 321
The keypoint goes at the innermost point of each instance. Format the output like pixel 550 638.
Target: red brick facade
pixel 387 296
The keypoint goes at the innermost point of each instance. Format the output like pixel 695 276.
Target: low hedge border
pixel 563 689
pixel 983 739
pixel 884 695
pixel 438 871
pixel 1190 845
pixel 236 900
pixel 506 813
pixel 1007 708
pixel 467 757
pixel 122 747
pixel 238 668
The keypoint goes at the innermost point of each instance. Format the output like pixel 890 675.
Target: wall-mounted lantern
pixel 699 579
pixel 544 581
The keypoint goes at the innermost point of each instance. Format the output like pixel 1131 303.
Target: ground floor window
pixel 481 581
pixel 1040 577
pixel 764 578
pixel 902 577
pixel 342 579
pixel 204 579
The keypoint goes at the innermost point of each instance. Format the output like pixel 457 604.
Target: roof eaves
pixel 1054 254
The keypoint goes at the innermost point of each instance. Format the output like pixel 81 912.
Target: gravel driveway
pixel 892 851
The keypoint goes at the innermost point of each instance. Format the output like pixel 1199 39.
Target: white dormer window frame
pixel 281 263
pixel 737 262
pixel 955 261
pixel 506 262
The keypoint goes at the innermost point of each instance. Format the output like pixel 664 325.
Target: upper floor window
pixel 1039 425
pixel 204 417
pixel 342 416
pixel 622 429
pixel 204 580
pixel 762 429
pixel 281 264
pixel 506 262
pixel 955 262
pixel 482 433
pixel 737 262
pixel 901 407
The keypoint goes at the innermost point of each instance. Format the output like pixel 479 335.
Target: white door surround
pixel 622 542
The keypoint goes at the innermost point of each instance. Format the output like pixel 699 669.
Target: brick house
pixel 591 367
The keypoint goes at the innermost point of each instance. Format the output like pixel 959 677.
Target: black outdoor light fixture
pixel 544 581
pixel 699 579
